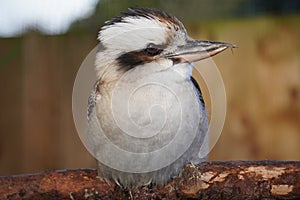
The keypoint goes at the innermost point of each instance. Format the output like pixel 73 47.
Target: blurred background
pixel 43 43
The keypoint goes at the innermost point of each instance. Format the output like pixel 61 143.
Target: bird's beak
pixel 195 50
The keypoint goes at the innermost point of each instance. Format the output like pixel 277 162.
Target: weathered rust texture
pixel 208 180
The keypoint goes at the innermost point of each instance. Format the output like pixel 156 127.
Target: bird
pixel 146 114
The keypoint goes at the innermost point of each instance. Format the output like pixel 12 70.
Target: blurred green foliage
pixel 191 11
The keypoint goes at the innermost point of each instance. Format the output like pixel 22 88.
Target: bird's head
pixel 141 36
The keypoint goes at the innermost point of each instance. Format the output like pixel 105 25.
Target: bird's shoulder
pixel 94 96
pixel 197 87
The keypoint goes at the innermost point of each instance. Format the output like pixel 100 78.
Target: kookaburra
pixel 146 115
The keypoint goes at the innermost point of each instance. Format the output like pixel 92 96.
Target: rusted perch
pixel 208 180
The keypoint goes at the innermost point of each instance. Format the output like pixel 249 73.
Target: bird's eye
pixel 152 51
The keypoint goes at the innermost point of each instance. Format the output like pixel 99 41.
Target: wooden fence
pixel 261 77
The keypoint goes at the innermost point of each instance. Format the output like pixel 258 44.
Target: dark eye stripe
pixel 152 51
pixel 132 59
